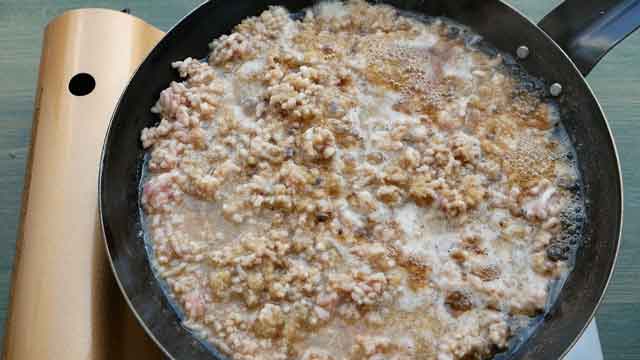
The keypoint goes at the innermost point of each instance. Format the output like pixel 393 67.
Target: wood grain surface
pixel 616 82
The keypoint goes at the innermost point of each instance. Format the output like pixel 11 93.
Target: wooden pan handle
pixel 64 301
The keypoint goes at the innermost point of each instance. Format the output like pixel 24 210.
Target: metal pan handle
pixel 588 29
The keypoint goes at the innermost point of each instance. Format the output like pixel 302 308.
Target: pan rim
pixel 517 12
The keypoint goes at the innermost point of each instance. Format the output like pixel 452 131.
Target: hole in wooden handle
pixel 82 84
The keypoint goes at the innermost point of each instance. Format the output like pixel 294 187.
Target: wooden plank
pixel 21 26
pixel 614 81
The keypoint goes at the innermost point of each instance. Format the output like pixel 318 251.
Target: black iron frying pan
pixel 583 30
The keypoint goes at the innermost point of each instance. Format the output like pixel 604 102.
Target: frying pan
pixel 562 49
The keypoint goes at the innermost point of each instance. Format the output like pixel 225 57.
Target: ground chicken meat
pixel 352 183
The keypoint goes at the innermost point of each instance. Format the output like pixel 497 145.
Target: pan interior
pixel 583 120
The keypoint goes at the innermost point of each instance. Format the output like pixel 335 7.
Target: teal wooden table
pixel 616 82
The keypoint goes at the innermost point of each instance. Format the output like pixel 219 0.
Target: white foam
pixel 425 40
pixel 332 9
pixel 541 203
pixel 460 67
pixel 410 300
pixel 350 217
pixel 251 67
pixel 407 217
pixel 245 121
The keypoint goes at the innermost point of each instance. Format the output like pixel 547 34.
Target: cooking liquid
pixel 429 234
